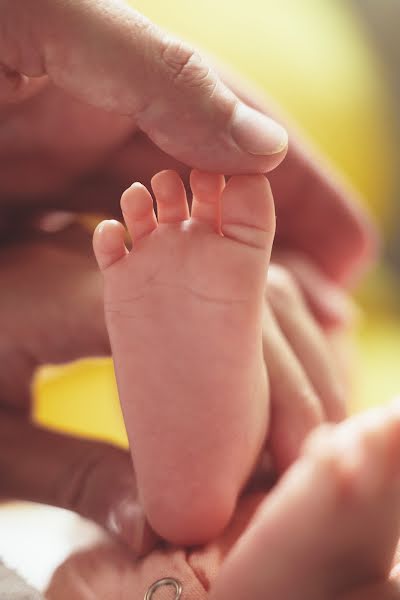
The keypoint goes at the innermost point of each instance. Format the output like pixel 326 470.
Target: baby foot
pixel 331 526
pixel 184 313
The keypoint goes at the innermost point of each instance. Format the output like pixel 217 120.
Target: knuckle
pixel 184 64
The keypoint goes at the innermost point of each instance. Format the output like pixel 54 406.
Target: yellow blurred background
pixel 320 60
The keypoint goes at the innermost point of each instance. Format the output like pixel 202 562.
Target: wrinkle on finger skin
pixel 184 63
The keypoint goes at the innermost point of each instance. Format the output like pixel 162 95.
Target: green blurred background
pixel 334 67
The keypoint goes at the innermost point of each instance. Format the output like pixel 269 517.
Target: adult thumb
pixel 106 54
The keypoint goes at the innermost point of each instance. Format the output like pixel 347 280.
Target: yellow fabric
pixel 81 398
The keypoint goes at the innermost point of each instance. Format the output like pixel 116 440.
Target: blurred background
pixel 334 68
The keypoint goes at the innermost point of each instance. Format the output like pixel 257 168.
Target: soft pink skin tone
pixel 330 528
pixel 327 531
pixel 184 312
pixel 41 322
pixel 67 142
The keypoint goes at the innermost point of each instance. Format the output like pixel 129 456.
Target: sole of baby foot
pixel 184 312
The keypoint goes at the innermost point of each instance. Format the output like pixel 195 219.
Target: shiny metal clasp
pixel 162 583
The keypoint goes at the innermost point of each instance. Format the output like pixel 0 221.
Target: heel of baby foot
pixel 190 519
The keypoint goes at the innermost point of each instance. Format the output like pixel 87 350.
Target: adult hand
pixel 106 98
pixel 108 56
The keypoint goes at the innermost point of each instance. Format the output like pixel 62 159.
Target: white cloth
pixel 13 587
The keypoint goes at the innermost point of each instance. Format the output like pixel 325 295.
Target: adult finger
pixel 329 303
pixel 323 218
pixel 107 54
pixel 295 407
pixel 93 479
pixel 307 341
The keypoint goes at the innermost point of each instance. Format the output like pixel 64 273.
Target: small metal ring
pixel 164 582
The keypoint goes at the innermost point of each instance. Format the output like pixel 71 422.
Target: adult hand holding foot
pixel 108 56
pixel 93 96
pixel 74 119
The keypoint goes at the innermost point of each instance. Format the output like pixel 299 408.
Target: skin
pixel 79 577
pixel 321 550
pixel 332 521
pixel 210 350
pixel 50 78
pixel 42 322
pixel 92 87
pixel 340 503
pixel 189 302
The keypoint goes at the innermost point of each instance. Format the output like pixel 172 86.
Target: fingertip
pixel 257 134
pixel 219 133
